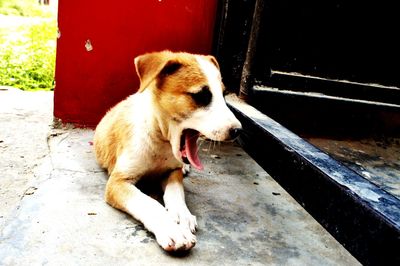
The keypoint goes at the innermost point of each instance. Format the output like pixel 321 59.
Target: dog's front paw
pixel 184 218
pixel 173 237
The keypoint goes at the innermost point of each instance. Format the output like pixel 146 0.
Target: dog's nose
pixel 234 132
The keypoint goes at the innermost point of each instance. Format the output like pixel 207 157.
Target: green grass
pixel 26 8
pixel 27 49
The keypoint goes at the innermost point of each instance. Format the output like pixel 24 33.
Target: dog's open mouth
pixel 189 149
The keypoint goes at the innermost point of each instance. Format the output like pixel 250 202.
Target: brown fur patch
pixel 113 131
pixel 172 91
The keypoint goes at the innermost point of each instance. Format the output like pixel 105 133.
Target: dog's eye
pixel 202 97
pixel 170 68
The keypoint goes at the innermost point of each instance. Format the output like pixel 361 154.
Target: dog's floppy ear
pixel 149 66
pixel 213 60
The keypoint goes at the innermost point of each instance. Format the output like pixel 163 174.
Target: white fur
pixel 177 225
pixel 222 119
pixel 154 147
pixel 170 227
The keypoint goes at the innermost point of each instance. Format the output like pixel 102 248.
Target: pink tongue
pixel 191 149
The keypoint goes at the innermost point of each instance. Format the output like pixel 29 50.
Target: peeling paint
pixel 366 174
pixel 375 160
pixel 367 193
pixel 88 45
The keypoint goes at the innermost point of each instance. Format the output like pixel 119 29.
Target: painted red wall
pixel 88 83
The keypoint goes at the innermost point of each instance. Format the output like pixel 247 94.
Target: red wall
pixel 88 83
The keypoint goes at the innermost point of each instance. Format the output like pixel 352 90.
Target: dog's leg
pixel 174 199
pixel 123 195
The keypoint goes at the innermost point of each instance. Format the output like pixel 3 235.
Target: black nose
pixel 234 132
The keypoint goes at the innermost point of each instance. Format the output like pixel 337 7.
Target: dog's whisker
pixel 209 146
pixel 244 133
pixel 235 139
pixel 201 142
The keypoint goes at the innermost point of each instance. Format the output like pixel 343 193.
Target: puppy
pixel 151 134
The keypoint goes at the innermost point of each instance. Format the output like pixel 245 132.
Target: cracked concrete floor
pixel 25 121
pixel 52 209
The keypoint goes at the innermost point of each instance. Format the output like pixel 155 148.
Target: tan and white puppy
pixel 153 132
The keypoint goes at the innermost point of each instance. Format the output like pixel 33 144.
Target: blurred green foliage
pixel 27 45
pixel 26 8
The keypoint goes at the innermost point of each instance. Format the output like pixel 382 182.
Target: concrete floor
pixel 52 209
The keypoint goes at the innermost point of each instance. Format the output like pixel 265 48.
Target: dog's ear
pixel 149 66
pixel 213 60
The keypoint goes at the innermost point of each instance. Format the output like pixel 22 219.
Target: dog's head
pixel 188 92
